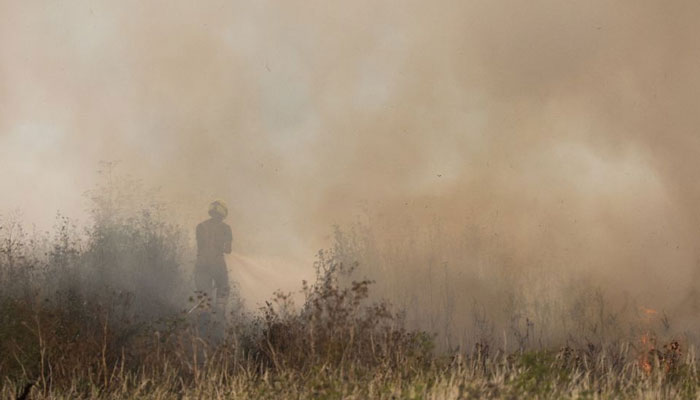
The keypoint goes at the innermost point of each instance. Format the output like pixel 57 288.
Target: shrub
pixel 337 326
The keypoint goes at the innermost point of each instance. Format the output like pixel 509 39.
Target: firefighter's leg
pixel 222 292
pixel 204 283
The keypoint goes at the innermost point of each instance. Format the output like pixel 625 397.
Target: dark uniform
pixel 213 240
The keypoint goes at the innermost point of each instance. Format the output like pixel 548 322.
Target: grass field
pixel 109 313
pixel 331 350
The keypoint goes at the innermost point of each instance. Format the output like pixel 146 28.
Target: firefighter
pixel 213 241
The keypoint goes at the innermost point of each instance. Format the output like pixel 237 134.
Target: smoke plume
pixel 562 135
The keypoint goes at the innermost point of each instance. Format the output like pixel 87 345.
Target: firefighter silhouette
pixel 213 241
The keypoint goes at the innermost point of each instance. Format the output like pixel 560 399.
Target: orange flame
pixel 648 311
pixel 648 346
pixel 648 341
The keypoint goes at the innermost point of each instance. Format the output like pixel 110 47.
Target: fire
pixel 648 347
pixel 649 312
pixel 648 340
pixel 667 356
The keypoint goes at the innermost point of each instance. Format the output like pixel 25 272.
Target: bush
pixel 337 327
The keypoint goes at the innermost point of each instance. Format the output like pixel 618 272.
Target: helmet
pixel 218 209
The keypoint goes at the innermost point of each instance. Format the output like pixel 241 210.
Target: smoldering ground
pixel 553 141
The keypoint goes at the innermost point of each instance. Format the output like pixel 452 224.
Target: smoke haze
pixel 566 129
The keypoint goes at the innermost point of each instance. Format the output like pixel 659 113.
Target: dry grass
pixel 104 314
pixel 220 374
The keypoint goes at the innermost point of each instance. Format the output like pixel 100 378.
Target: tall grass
pixel 110 312
pixel 467 289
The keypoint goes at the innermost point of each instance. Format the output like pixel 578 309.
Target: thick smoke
pixel 562 133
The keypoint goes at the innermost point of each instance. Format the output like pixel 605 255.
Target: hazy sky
pixel 570 127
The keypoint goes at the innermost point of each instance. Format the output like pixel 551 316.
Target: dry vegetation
pixel 105 314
